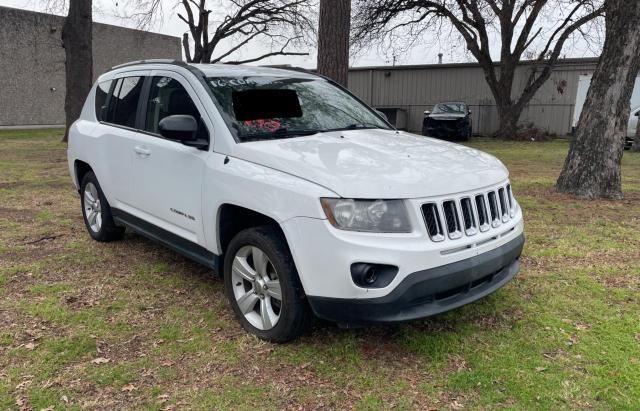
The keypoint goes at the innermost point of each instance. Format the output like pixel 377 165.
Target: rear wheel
pixel 263 286
pixel 97 212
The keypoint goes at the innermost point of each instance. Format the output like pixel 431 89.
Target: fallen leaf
pixel 65 399
pixel 23 384
pixel 49 408
pixel 582 327
pixel 456 405
pixel 30 346
pixel 541 369
pixel 100 360
pixel 129 388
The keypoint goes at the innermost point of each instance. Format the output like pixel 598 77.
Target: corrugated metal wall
pixel 417 88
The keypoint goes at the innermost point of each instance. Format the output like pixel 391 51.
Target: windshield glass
pixel 454 108
pixel 262 108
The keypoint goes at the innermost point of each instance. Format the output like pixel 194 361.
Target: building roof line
pixel 560 63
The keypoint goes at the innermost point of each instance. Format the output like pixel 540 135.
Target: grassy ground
pixel 132 325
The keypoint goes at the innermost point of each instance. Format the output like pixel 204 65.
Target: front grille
pixel 456 218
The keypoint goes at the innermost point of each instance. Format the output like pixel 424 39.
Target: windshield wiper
pixel 359 126
pixel 282 132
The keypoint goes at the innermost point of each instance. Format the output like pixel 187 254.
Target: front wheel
pixel 466 134
pixel 263 286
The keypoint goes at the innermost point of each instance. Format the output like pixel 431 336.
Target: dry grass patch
pixel 131 325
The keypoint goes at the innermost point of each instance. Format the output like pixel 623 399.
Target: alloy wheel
pixel 92 207
pixel 256 287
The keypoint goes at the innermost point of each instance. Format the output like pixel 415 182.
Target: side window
pixel 124 101
pixel 102 92
pixel 168 97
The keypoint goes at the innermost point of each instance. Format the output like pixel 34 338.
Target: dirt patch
pixel 17 214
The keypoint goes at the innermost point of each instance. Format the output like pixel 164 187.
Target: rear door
pixel 117 128
pixel 167 174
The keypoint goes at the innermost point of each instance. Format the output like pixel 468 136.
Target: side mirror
pixel 179 127
pixel 381 114
pixel 637 114
pixel 470 112
pixel 426 113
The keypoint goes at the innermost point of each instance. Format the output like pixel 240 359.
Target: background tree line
pixel 537 30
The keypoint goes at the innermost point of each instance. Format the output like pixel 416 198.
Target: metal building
pixel 32 62
pixel 406 92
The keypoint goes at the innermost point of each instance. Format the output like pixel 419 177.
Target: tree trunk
pixel 77 41
pixel 333 39
pixel 509 116
pixel 592 168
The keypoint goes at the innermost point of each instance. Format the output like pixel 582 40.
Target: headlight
pixel 377 216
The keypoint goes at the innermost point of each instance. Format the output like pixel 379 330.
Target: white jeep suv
pixel 301 196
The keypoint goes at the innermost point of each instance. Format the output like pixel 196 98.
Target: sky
pixel 425 49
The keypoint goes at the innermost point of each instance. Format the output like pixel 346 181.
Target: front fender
pixel 270 192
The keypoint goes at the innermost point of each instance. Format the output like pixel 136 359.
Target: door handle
pixel 141 151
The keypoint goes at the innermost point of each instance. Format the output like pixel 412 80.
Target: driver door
pixel 169 174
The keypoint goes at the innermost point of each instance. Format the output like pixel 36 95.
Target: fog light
pixel 369 275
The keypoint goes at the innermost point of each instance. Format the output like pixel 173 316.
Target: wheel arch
pixel 81 169
pixel 232 219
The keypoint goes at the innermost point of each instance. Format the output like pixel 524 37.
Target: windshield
pixel 263 108
pixel 454 108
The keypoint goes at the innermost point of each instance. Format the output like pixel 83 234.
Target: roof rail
pixel 151 61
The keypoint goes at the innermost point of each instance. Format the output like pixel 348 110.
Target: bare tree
pixel 519 25
pixel 279 22
pixel 592 168
pixel 77 41
pixel 333 39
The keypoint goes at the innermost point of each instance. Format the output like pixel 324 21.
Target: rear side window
pixel 102 92
pixel 124 101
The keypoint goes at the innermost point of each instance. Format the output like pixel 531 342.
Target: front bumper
pixel 628 143
pixel 446 128
pixel 429 292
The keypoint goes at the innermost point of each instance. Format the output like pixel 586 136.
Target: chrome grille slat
pixel 470 214
pixel 432 219
pixel 483 214
pixel 494 210
pixel 512 208
pixel 452 219
pixel 504 210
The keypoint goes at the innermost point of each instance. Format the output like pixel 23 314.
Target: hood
pixel 380 164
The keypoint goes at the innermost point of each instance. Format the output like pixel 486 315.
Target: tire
pixel 466 136
pixel 252 285
pixel 96 212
